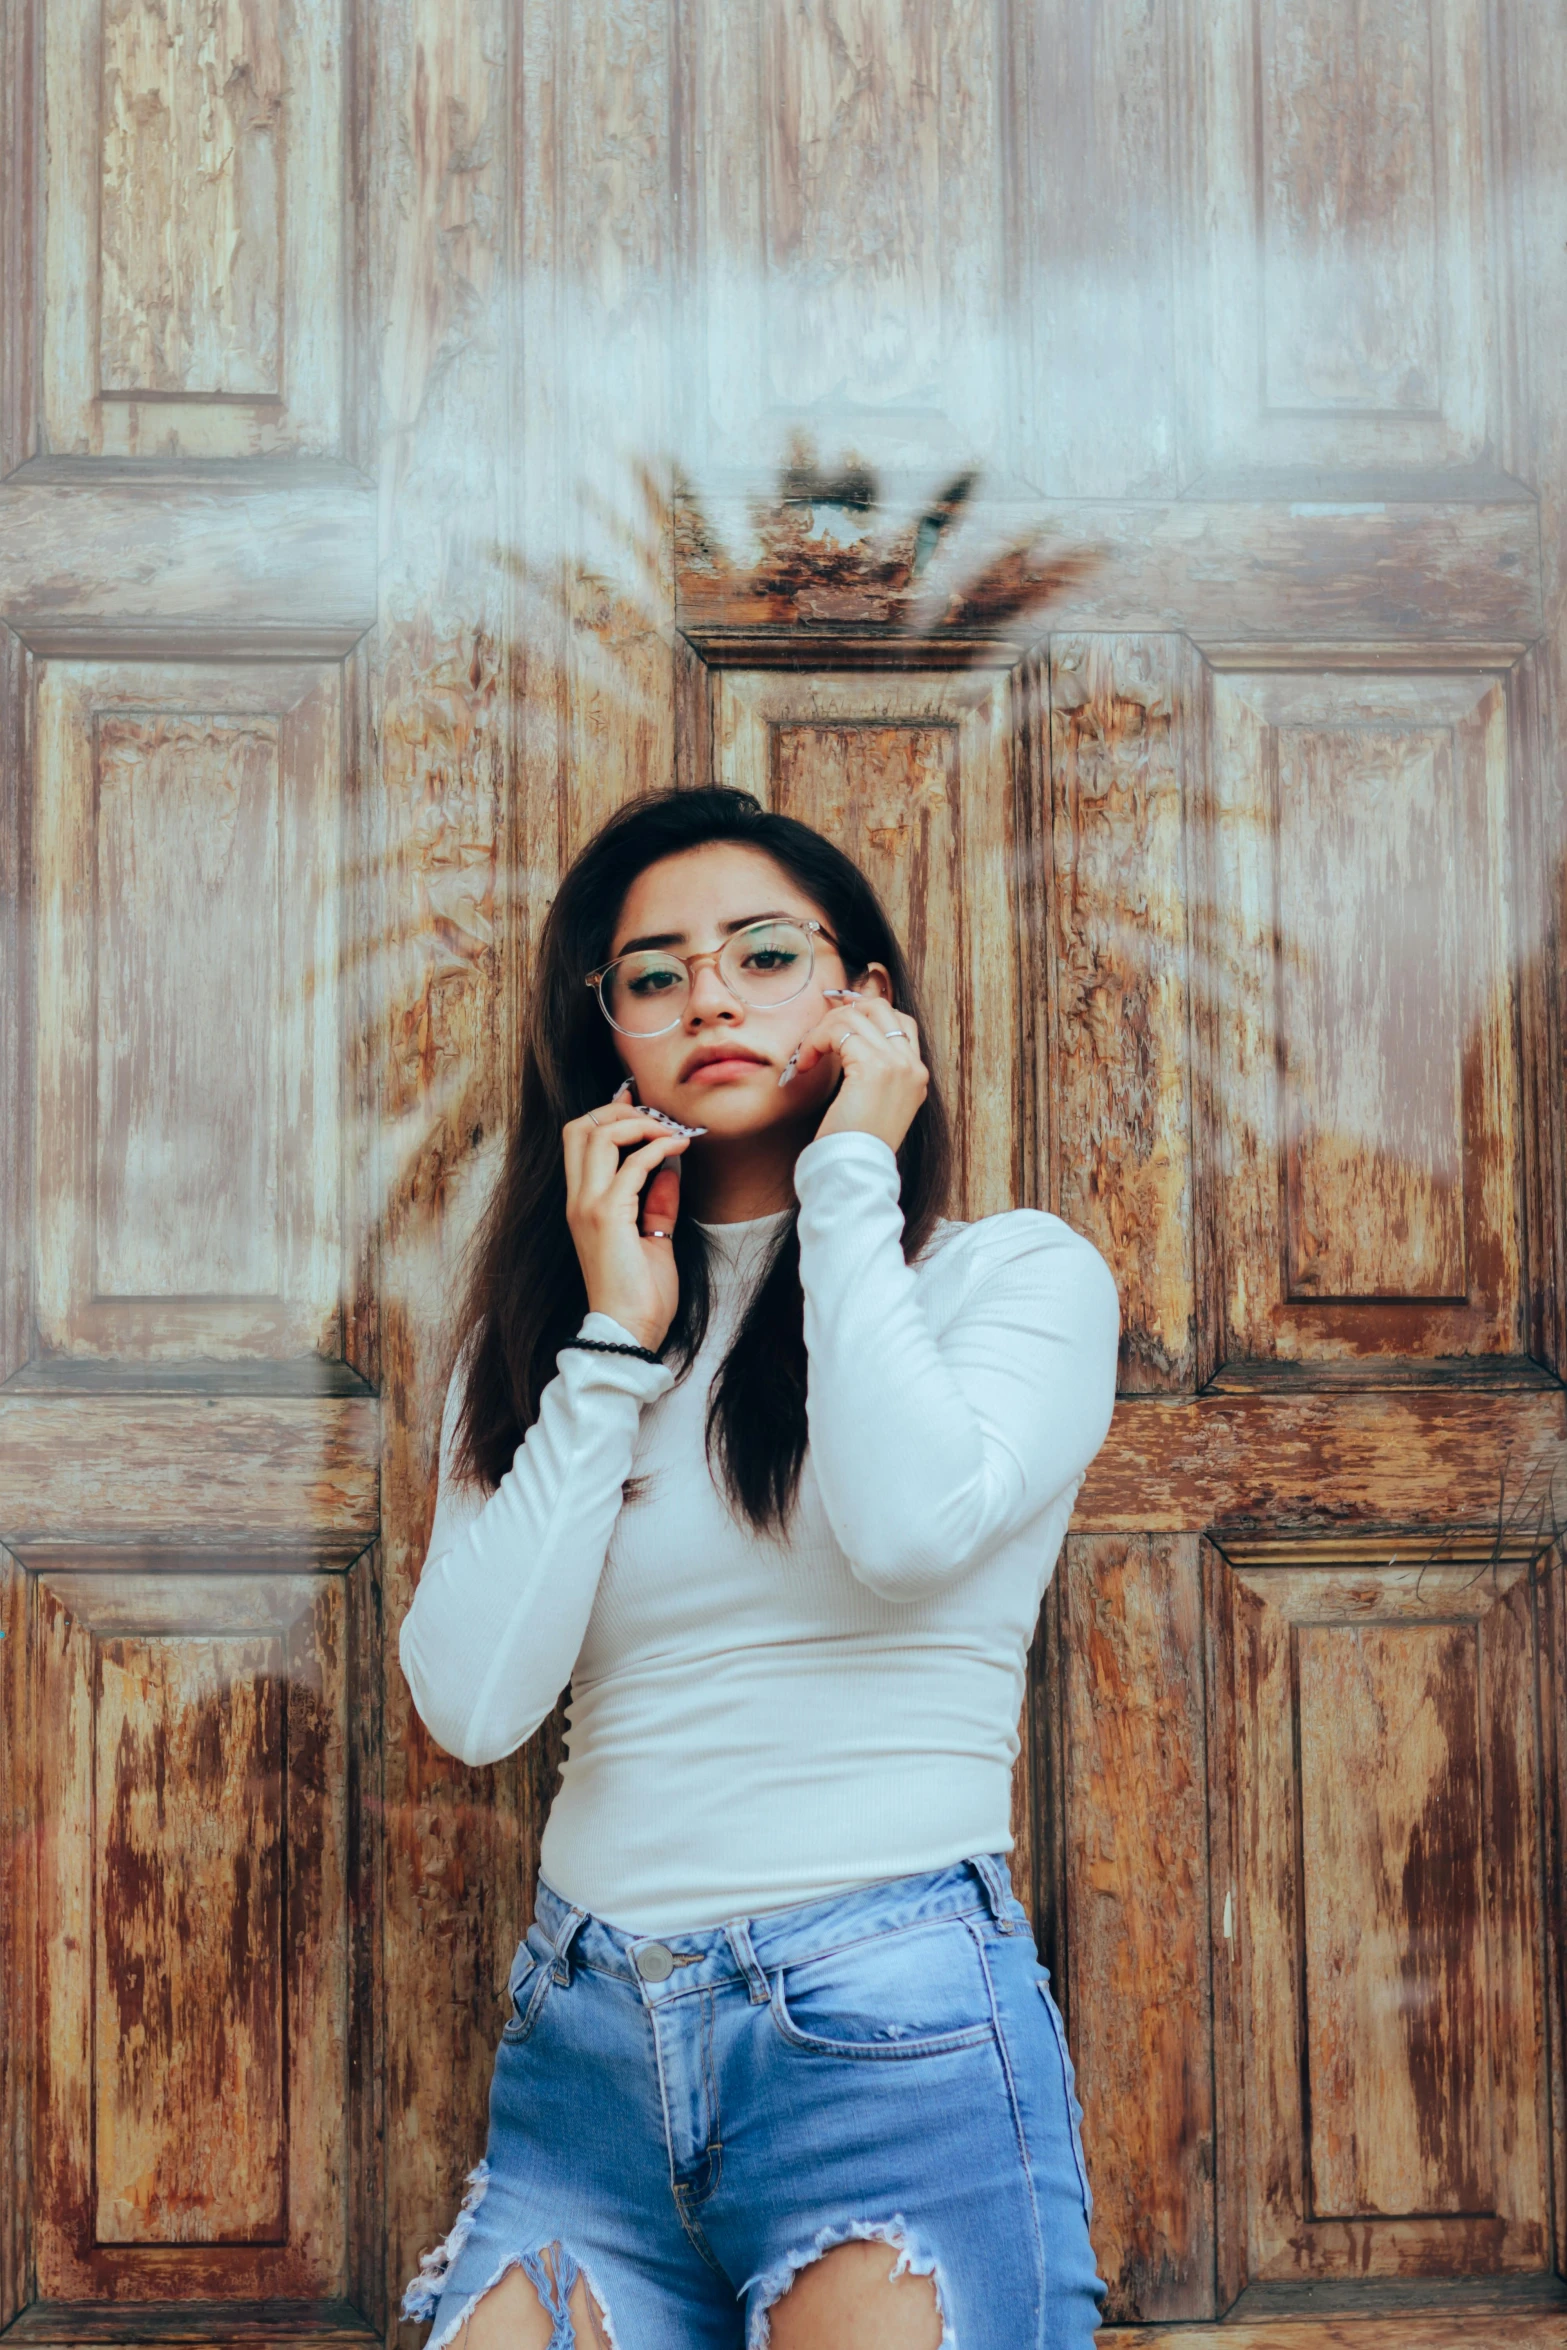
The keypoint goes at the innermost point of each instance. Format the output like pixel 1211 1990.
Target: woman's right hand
pixel 630 1275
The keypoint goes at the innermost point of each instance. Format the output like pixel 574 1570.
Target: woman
pixel 772 1464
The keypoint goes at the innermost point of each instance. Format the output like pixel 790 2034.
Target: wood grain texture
pixel 16 1010
pixel 114 563
pixel 1331 1463
pixel 192 259
pixel 188 2061
pixel 1266 570
pixel 1420 2330
pixel 20 325
pixel 914 775
pixel 443 903
pixel 1137 1903
pixel 192 1890
pixel 18 1828
pixel 1090 95
pixel 1121 1120
pixel 1384 1155
pixel 190 198
pixel 1347 279
pixel 841 216
pixel 189 1188
pixel 184 1184
pixel 270 1470
pixel 1349 206
pixel 1387 1799
pixel 1391 1856
pixel 1371 1017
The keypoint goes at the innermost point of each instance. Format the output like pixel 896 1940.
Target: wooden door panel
pixel 1349 289
pixel 1387 1903
pixel 188 1045
pixel 1367 1064
pixel 193 261
pixel 913 772
pixel 195 1924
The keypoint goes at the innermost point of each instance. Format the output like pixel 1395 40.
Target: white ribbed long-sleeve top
pixel 757 1721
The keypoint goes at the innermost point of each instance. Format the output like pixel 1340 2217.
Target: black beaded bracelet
pixel 611 1346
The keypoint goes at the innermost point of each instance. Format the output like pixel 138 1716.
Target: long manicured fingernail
pixel 842 995
pixel 622 1091
pixel 674 1125
pixel 791 1065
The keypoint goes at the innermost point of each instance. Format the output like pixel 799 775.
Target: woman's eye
pixel 770 959
pixel 652 982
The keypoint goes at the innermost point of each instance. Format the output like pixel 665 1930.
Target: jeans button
pixel 655 1962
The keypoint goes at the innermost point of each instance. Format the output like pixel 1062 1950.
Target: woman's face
pixel 720 1066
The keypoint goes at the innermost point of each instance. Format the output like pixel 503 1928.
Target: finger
pixel 635 1170
pixel 854 1021
pixel 661 1203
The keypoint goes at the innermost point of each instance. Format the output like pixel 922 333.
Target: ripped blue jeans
pixel 689 2121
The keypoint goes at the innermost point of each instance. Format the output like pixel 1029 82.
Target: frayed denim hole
pixel 553 2274
pixel 912 2261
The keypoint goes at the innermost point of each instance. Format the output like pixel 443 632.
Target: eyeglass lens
pixel 645 993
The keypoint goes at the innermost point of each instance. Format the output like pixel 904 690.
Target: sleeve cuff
pixel 852 1149
pixel 646 1381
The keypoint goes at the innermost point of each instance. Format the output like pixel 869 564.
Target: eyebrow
pixel 679 938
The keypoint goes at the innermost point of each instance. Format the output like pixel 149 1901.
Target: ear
pixel 874 980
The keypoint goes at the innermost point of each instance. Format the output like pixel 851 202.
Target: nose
pixel 709 998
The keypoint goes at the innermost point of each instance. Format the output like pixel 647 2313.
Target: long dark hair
pixel 525 1296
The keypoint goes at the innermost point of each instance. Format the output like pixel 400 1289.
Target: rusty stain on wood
pixel 1122 1119
pixel 1137 1913
pixel 188 2088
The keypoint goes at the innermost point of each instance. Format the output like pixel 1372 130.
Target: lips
pixel 715 1060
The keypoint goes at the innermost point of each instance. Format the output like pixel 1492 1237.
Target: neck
pixel 741 1177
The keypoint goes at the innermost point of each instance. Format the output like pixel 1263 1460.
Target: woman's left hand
pixel 884 1077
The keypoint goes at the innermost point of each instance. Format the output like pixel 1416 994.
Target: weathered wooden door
pixel 1106 464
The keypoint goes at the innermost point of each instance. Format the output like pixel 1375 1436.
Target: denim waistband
pixel 741 1950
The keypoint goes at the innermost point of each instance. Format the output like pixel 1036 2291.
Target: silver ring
pixel 901 1034
pixel 843 1040
pixel 658 1236
pixel 593 1114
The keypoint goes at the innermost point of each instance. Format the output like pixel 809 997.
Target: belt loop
pixel 747 1961
pixel 565 1934
pixel 992 1875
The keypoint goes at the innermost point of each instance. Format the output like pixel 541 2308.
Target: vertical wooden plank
pixel 19 322
pixel 1262 1670
pixel 1539 830
pixel 1138 1908
pixel 365 1865
pixel 441 206
pixel 61 2166
pixel 18 1931
pixel 16 1009
pixel 1226 1918
pixel 1121 1122
pixel 317 1947
pixel 1550 1594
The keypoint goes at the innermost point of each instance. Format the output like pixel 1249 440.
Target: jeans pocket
pixel 529 1983
pixel 914 1991
pixel 1069 2084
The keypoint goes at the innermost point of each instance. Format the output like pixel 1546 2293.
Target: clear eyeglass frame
pixel 715 955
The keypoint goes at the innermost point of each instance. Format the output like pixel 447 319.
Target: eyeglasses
pixel 645 993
